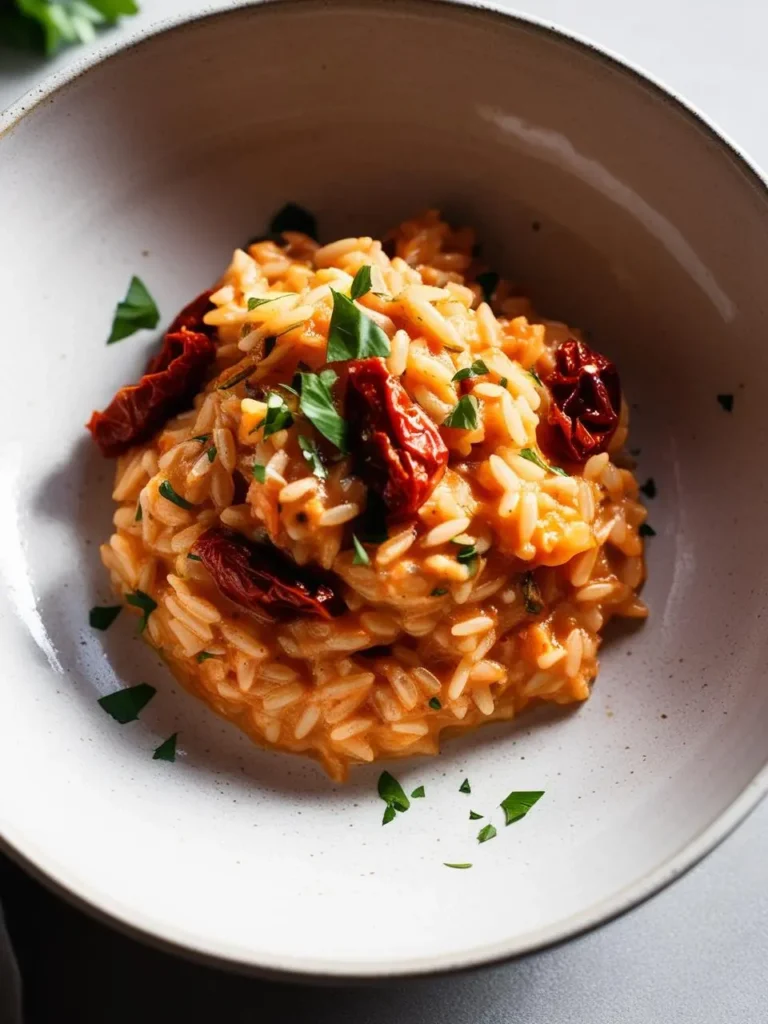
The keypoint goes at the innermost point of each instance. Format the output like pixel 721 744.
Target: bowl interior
pixel 619 213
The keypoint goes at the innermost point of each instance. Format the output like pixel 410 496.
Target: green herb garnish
pixel 417 793
pixel 518 803
pixel 389 814
pixel 464 415
pixel 532 599
pixel 103 617
pixel 477 369
pixel 488 282
pixel 167 749
pixel 474 816
pixel 361 283
pixel 503 382
pixel 392 793
pixel 311 453
pixel 726 401
pixel 465 787
pixel 486 832
pixel 278 415
pixel 167 492
pixel 352 334
pixel 467 553
pixel 646 531
pixel 649 488
pixel 139 513
pixel 435 704
pixel 211 453
pixel 124 705
pixel 136 311
pixel 293 218
pixel 194 558
pixel 254 302
pixel 202 438
pixel 259 473
pixel 361 555
pixel 144 602
pixel 531 456
pixel 230 382
pixel 461 867
pixel 317 405
pixel 536 377
pixel 203 656
pixel 439 592
pixel 49 24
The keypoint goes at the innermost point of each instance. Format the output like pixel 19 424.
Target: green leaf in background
pixel 136 311
pixel 48 24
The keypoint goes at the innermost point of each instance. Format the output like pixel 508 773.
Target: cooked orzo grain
pixel 335 569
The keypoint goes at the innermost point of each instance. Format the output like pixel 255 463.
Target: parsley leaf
pixel 293 218
pixel 417 793
pixel 464 415
pixel 389 814
pixel 646 531
pixel 167 749
pixel 461 867
pixel 278 415
pixel 465 787
pixel 477 369
pixel 361 283
pixel 102 618
pixel 194 558
pixel 361 555
pixel 486 832
pixel 139 513
pixel 203 656
pixel 649 488
pixel 124 705
pixel 474 816
pixel 311 453
pixel 488 282
pixel 136 311
pixel 317 405
pixel 531 456
pixel 143 601
pixel 434 703
pixel 352 334
pixel 259 473
pixel 532 599
pixel 255 301
pixel 392 793
pixel 518 803
pixel 467 553
pixel 166 490
pixel 211 453
pixel 503 381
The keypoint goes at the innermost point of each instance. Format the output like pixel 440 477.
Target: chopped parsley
pixel 203 656
pixel 278 415
pixel 439 592
pixel 726 401
pixel 518 803
pixel 465 787
pixel 361 283
pixel 202 438
pixel 434 703
pixel 463 416
pixel 125 705
pixel 468 555
pixel 536 377
pixel 136 311
pixel 317 405
pixel 474 816
pixel 293 218
pixel 254 302
pixel 194 558
pixel 460 867
pixel 311 453
pixel 167 749
pixel 230 382
pixel 477 369
pixel 418 793
pixel 361 555
pixel 532 599
pixel 503 382
pixel 102 618
pixel 139 513
pixel 211 453
pixel 486 832
pixel 167 492
pixel 646 531
pixel 352 334
pixel 389 814
pixel 536 459
pixel 145 603
pixel 649 488
pixel 259 473
pixel 488 282
pixel 393 795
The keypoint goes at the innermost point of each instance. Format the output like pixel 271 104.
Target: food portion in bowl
pixel 366 494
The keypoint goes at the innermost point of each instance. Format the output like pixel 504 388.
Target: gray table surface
pixel 699 951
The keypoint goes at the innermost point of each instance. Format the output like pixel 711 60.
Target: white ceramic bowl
pixel 621 212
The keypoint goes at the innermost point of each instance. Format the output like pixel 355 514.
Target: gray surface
pixel 698 952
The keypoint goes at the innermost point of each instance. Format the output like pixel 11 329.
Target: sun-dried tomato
pixel 260 577
pixel 172 379
pixel 397 448
pixel 586 400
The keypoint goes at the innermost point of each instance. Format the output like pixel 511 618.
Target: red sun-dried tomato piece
pixel 397 449
pixel 586 401
pixel 261 577
pixel 172 379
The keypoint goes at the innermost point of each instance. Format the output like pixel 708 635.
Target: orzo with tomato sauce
pixel 373 496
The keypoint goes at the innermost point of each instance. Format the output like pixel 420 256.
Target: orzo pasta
pixel 364 520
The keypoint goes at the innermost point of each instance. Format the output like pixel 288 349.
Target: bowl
pixel 618 210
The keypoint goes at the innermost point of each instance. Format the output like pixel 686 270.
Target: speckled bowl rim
pixel 42 865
